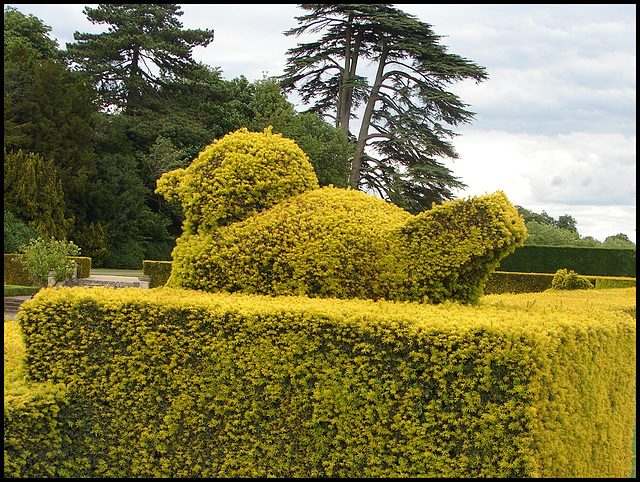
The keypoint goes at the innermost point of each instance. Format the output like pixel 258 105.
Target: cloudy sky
pixel 555 125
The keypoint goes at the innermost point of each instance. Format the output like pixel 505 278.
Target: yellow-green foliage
pixel 175 383
pixel 33 438
pixel 327 242
pixel 342 243
pixel 570 280
pixel 513 282
pixel 256 222
pixel 84 266
pixel 14 272
pixel 451 249
pixel 236 176
pixel 604 282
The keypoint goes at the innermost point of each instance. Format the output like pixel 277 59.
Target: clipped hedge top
pixel 326 241
pixel 341 243
pixel 538 314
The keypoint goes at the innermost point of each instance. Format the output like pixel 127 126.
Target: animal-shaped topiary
pixel 236 176
pixel 344 243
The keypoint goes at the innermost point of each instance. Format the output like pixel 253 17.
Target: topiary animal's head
pixel 234 177
pixel 452 248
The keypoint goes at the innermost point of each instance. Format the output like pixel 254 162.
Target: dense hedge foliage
pixel 586 261
pixel 328 242
pixel 236 176
pixel 450 250
pixel 174 383
pixel 511 282
pixel 343 243
pixel 256 222
pixel 497 282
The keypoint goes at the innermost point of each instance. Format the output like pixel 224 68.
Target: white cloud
pixel 578 174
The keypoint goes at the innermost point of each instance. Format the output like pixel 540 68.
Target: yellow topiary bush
pixel 327 242
pixel 342 243
pixel 570 280
pixel 236 176
pixel 257 222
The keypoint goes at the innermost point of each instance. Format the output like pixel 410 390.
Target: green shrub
pixel 16 274
pixel 84 266
pixel 44 256
pixel 14 290
pixel 570 280
pixel 175 383
pixel 125 254
pixel 606 282
pixel 16 232
pixel 510 282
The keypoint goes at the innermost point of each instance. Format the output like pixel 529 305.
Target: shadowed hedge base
pixel 327 242
pixel 178 383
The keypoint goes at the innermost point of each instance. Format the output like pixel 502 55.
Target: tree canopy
pixel 144 48
pixel 408 112
pixel 100 166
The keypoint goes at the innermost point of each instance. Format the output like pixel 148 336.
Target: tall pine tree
pixel 33 192
pixel 144 48
pixel 50 110
pixel 408 112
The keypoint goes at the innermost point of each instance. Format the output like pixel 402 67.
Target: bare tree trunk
pixel 344 75
pixel 345 93
pixel 356 165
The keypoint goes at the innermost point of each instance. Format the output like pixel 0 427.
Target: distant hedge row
pixel 497 282
pixel 586 261
pixel 513 282
pixel 16 274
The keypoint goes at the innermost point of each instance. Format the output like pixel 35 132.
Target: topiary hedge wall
pixel 157 271
pixel 236 176
pixel 175 383
pixel 586 261
pixel 256 222
pixel 343 243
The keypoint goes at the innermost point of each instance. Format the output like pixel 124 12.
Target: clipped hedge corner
pixel 158 272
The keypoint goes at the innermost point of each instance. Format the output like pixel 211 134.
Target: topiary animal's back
pixel 327 242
